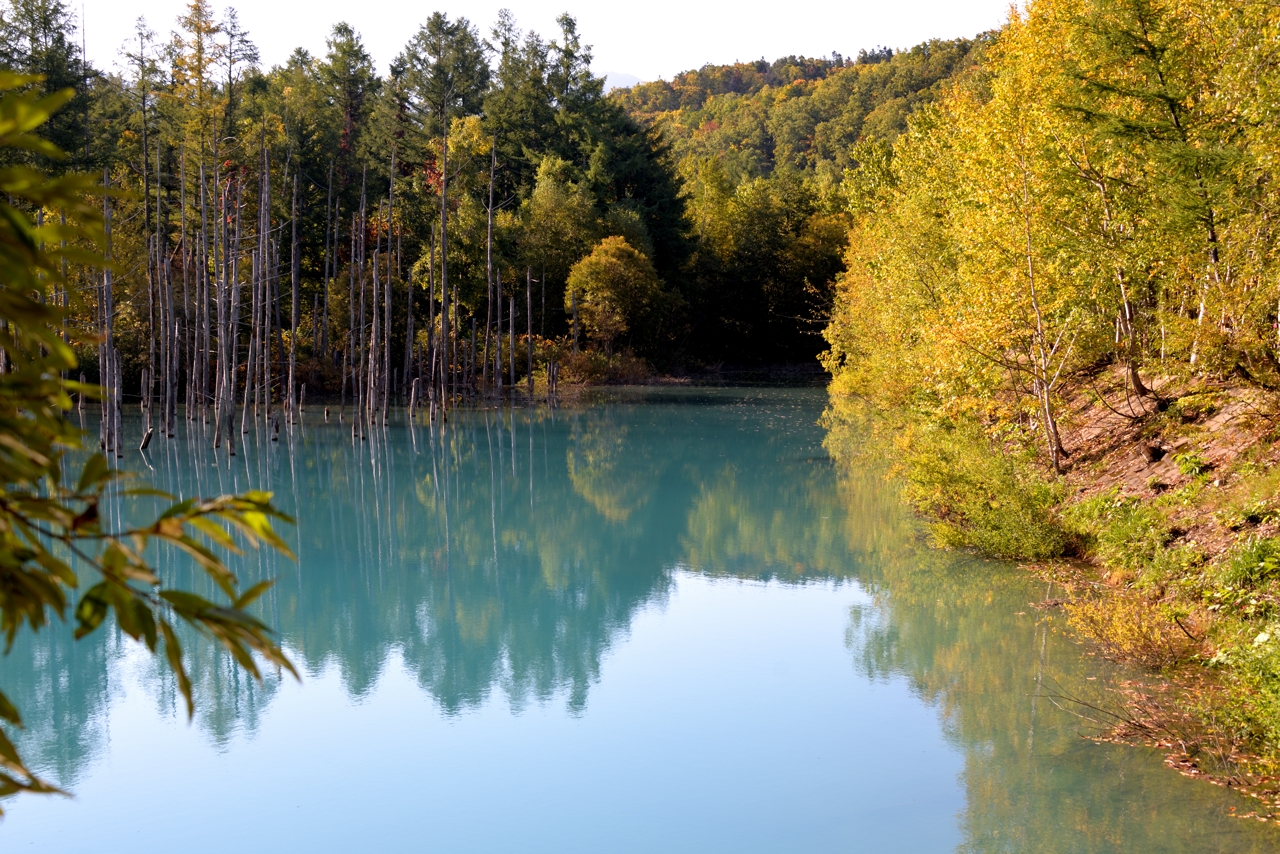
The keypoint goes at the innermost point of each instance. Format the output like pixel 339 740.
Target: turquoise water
pixel 652 621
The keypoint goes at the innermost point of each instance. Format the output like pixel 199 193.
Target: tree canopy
pixel 615 290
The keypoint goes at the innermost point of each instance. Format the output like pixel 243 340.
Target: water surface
pixel 659 620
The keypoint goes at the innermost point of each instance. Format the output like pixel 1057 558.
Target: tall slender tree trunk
pixel 233 330
pixel 432 336
pixel 364 349
pixel 203 285
pixel 186 335
pixel 330 220
pixel 295 269
pixel 251 361
pixel 497 350
pixel 488 321
pixel 152 274
pixel 444 249
pixel 349 352
pixel 455 372
pixel 528 317
pixel 387 383
pixel 220 284
pixel 375 347
pixel 107 356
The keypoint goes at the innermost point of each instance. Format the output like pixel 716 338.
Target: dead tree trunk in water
pixel 251 360
pixel 433 338
pixel 322 334
pixel 202 285
pixel 388 384
pixel 528 317
pixel 220 285
pixel 187 333
pixel 348 352
pixel 497 350
pixel 488 321
pixel 295 272
pixel 362 384
pixel 444 250
pixel 106 350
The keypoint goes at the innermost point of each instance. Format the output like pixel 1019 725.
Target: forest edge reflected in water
pixel 509 554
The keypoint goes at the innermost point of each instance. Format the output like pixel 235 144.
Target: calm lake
pixel 652 621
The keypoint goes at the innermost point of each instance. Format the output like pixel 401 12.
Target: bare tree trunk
pixel 488 322
pixel 388 380
pixel 270 325
pixel 277 325
pixel 408 289
pixel 348 352
pixel 150 370
pixel 233 332
pixel 454 372
pixel 375 346
pixel 528 317
pixel 432 336
pixel 342 400
pixel 1042 380
pixel 153 270
pixel 573 296
pixel 220 284
pixel 364 350
pixel 251 361
pixel 497 350
pixel 295 272
pixel 330 224
pixel 203 307
pixel 168 331
pixel 444 248
pixel 107 356
pixel 187 334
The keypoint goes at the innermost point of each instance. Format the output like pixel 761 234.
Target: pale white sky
pixel 655 38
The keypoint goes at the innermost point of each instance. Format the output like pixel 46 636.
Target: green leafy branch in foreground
pixel 47 527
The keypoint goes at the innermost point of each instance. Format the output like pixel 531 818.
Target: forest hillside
pixel 761 150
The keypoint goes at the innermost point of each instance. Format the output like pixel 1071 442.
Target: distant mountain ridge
pixel 618 80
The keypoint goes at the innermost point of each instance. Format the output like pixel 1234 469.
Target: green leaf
pixel 182 508
pixel 95 472
pixel 8 711
pixel 91 610
pixel 9 754
pixel 215 532
pixel 146 622
pixel 173 652
pixel 251 595
pixel 187 604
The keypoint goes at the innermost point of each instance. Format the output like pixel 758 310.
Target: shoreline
pixel 1164 528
